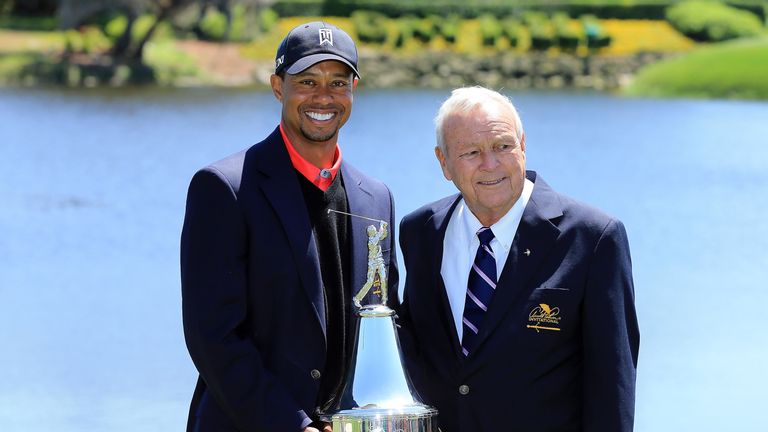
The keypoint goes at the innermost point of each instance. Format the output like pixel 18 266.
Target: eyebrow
pixel 314 74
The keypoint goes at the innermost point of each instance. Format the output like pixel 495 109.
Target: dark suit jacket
pixel 557 350
pixel 253 304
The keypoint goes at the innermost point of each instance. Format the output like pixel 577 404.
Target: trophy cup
pixel 376 393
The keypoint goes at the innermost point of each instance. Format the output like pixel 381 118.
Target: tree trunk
pixel 138 52
pixel 123 43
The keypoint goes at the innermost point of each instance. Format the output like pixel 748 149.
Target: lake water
pixel 92 200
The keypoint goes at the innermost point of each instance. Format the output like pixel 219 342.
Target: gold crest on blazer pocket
pixel 546 312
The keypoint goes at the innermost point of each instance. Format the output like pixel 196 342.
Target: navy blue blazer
pixel 557 350
pixel 253 304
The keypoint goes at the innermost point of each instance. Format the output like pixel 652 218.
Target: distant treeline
pixel 618 9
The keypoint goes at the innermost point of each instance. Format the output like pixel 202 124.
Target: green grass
pixel 736 70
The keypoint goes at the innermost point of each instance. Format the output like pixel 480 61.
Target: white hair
pixel 466 99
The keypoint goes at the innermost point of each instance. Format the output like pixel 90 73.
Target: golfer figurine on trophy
pixel 377 269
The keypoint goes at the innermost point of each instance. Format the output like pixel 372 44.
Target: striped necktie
pixel 480 288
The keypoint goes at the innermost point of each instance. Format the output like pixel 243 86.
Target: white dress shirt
pixel 460 246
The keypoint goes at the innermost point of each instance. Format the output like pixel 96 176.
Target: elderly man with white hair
pixel 518 312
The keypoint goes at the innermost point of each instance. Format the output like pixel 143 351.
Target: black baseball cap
pixel 312 43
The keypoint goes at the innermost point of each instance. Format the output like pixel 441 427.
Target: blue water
pixel 92 201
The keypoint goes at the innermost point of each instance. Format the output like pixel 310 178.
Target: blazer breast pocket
pixel 551 310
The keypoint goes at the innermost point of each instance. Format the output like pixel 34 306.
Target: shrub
pixel 424 29
pixel 566 37
pixel 448 28
pixel 405 30
pixel 510 28
pixel 268 19
pixel 712 22
pixel 214 25
pixel 490 29
pixel 370 26
pixel 595 34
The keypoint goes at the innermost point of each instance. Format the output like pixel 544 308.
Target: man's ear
pixel 354 83
pixel 441 158
pixel 277 86
pixel 522 143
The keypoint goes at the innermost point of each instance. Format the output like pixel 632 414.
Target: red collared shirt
pixel 322 178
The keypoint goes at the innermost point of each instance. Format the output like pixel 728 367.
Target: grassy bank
pixel 730 70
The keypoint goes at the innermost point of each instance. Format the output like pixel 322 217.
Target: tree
pixel 76 13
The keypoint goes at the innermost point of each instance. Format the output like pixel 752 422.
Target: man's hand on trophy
pixel 326 428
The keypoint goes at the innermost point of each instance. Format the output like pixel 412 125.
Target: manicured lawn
pixel 729 70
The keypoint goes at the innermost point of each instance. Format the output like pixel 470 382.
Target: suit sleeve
pixel 610 336
pixel 214 295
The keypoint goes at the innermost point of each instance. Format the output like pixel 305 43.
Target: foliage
pixel 425 29
pixel 16 22
pixel 734 69
pixel 540 29
pixel 268 19
pixel 618 9
pixel 87 41
pixel 169 64
pixel 566 36
pixel 405 30
pixel 115 27
pixel 370 26
pixel 449 27
pixel 490 29
pixel 511 28
pixel 708 21
pixel 596 37
pixel 214 25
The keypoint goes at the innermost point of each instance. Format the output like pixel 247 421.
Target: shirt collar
pixel 505 228
pixel 322 178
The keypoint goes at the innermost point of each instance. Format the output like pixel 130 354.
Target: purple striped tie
pixel 480 288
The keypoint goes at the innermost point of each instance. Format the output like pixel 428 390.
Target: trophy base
pixel 406 419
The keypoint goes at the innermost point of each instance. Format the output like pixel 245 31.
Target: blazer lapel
pixel 535 236
pixel 435 237
pixel 282 189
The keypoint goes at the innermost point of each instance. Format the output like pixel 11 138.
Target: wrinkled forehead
pixel 484 122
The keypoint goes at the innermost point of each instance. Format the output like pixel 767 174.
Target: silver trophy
pixel 376 394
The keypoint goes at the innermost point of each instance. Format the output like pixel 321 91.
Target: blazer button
pixel 315 374
pixel 464 389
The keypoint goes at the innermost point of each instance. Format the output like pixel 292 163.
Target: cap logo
pixel 279 61
pixel 326 36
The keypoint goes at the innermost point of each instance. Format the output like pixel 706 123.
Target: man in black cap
pixel 268 270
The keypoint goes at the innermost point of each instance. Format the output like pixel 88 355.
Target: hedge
pixel 707 21
pixel 616 9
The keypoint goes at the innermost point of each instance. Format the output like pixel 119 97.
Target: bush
pixel 424 29
pixel 449 27
pixel 712 22
pixel 405 30
pixel 510 28
pixel 490 29
pixel 567 38
pixel 370 26
pixel 595 34
pixel 298 8
pixel 268 19
pixel 540 29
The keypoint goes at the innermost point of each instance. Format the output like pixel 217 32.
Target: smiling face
pixel 316 103
pixel 484 159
